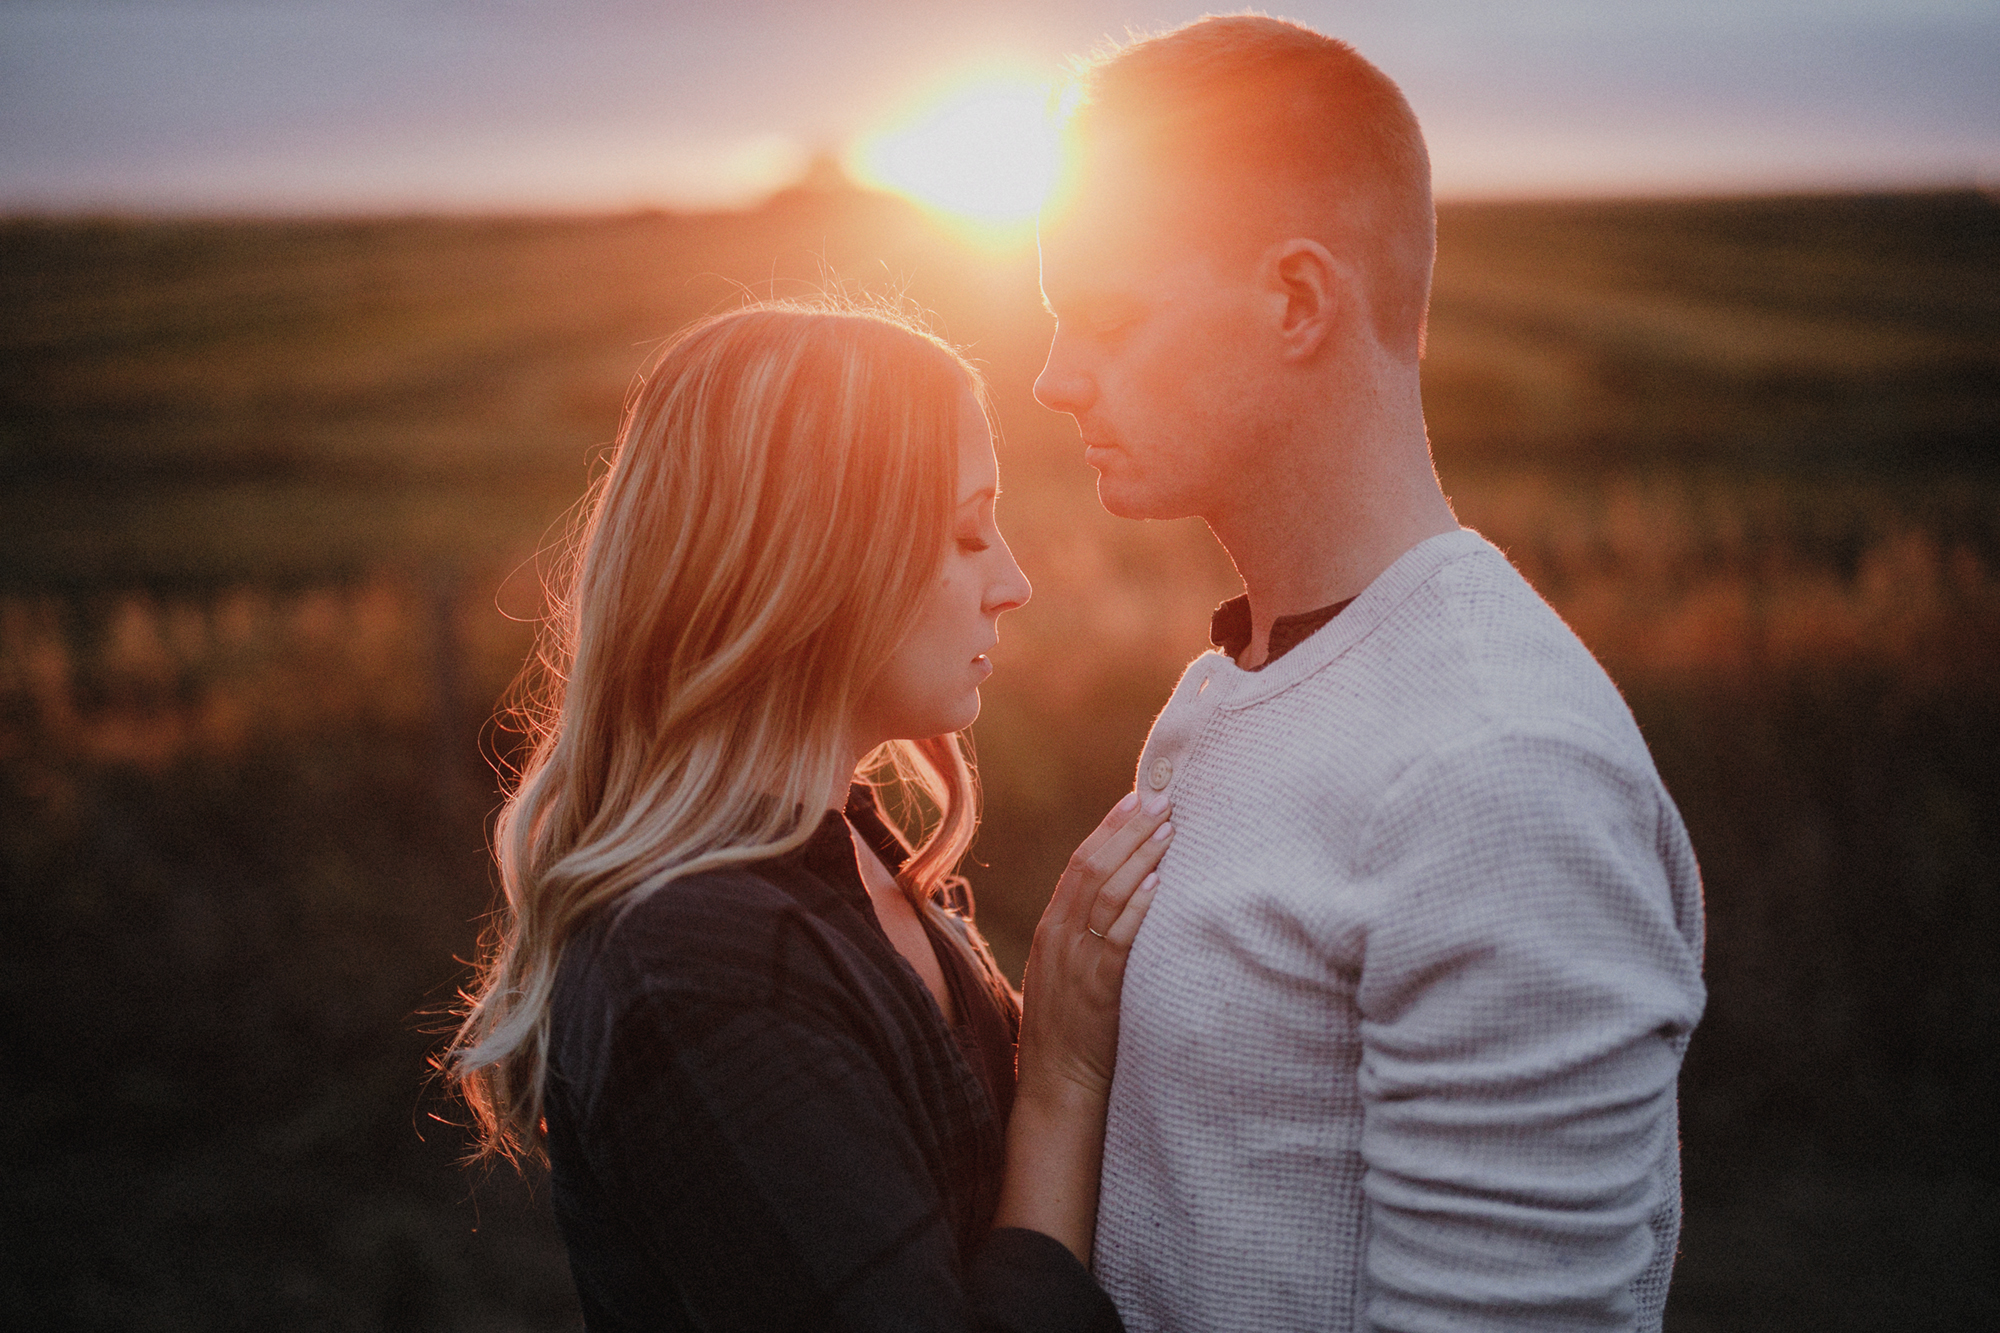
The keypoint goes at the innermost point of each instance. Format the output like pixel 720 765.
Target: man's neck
pixel 1337 515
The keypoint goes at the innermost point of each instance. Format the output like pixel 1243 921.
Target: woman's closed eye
pixel 975 531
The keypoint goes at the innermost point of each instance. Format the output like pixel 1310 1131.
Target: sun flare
pixel 981 151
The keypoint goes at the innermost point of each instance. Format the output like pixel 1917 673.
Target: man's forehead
pixel 1117 220
pixel 1121 256
pixel 1118 226
pixel 1087 269
pixel 1106 200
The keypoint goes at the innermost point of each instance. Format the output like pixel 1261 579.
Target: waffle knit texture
pixel 1401 1034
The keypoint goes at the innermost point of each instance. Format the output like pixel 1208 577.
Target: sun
pixel 981 151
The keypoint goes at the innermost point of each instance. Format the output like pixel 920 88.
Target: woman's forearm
pixel 1055 1149
pixel 1069 1025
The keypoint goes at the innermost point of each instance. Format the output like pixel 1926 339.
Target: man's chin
pixel 1121 499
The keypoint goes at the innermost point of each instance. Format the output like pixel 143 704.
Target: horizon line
pixel 525 209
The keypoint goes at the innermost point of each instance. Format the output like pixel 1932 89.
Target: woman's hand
pixel 1069 1024
pixel 1076 967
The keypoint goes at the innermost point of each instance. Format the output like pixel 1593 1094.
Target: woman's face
pixel 930 684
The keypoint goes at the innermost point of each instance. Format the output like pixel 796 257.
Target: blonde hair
pixel 776 510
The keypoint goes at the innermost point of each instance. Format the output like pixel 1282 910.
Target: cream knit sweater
pixel 1401 1034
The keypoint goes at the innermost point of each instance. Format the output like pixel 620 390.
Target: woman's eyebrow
pixel 988 493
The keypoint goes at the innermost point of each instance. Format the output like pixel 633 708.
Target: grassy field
pixel 271 503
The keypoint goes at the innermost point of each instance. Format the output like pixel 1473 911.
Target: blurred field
pixel 271 497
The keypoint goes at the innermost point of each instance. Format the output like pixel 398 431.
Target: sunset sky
pixel 288 105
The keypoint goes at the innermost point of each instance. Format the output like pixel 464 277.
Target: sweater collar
pixel 1357 621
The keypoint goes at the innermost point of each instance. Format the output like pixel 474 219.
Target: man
pixel 1401 1035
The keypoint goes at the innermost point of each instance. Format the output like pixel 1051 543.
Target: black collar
pixel 1229 628
pixel 829 852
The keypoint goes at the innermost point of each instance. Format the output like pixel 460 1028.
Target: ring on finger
pixel 1100 934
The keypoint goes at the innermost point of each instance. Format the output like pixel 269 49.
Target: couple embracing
pixel 1364 1010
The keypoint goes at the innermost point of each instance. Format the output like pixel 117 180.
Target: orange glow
pixel 980 150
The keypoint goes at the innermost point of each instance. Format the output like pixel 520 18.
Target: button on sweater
pixel 1401 1034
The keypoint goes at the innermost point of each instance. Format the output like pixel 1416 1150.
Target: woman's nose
pixel 1010 588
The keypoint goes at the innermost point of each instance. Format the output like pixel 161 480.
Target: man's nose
pixel 1063 386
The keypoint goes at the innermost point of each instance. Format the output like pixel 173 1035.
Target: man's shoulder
pixel 1478 648
pixel 1447 647
pixel 1466 648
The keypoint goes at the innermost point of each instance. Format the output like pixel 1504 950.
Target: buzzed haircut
pixel 1251 116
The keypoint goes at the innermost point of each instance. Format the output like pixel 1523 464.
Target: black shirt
pixel 759 1120
pixel 1229 629
pixel 989 1012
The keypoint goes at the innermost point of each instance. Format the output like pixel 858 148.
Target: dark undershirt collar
pixel 1229 629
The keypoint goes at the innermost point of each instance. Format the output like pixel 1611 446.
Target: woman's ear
pixel 1305 286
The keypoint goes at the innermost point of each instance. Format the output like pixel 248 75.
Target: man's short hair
pixel 1262 121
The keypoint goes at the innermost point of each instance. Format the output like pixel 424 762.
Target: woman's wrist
pixel 1055 1147
pixel 1063 1093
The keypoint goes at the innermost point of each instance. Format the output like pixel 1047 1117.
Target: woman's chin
pixel 959 718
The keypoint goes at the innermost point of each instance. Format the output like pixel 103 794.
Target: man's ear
pixel 1306 288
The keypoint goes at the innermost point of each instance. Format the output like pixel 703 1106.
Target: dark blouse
pixel 989 1013
pixel 759 1120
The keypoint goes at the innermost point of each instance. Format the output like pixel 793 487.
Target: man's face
pixel 1156 353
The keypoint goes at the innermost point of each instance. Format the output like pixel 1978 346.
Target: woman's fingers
pixel 1122 832
pixel 1126 928
pixel 1069 1023
pixel 1122 883
pixel 1113 820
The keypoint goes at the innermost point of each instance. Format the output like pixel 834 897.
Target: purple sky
pixel 364 104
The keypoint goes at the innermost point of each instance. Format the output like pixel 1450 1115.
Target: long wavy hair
pixel 776 510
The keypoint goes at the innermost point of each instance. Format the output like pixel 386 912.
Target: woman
pixel 768 1057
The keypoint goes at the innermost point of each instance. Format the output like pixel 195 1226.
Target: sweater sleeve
pixel 1527 991
pixel 758 1131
